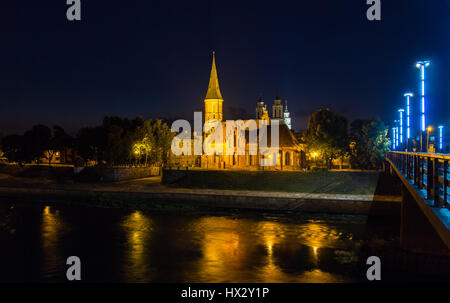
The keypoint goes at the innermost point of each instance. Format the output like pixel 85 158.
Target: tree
pixel 36 142
pixel 164 136
pixel 91 142
pixel 13 148
pixel 121 135
pixel 154 142
pixel 60 142
pixel 327 135
pixel 371 143
pixel 122 141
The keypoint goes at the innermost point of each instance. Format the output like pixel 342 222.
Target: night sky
pixel 153 58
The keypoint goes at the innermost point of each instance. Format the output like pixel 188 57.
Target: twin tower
pixel 214 101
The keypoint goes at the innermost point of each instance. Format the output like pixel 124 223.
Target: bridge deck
pixel 425 177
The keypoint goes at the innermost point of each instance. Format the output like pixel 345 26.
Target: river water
pixel 117 245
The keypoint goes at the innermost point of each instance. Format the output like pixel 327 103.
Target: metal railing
pixel 429 172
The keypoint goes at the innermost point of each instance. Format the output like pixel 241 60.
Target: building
pixel 290 150
pixel 287 117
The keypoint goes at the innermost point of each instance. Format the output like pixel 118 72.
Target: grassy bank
pixel 325 182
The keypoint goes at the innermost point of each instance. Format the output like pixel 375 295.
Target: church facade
pixel 288 157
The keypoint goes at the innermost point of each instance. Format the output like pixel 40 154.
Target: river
pixel 117 245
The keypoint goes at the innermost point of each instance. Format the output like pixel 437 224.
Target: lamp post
pixel 393 138
pixel 396 136
pixel 441 140
pixel 408 114
pixel 429 129
pixel 396 133
pixel 422 65
pixel 401 110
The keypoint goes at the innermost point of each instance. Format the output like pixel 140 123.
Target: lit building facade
pixel 289 157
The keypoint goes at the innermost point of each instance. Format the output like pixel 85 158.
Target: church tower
pixel 213 99
pixel 287 116
pixel 277 109
pixel 259 109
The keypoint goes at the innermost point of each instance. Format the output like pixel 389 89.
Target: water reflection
pixel 142 246
pixel 52 229
pixel 138 229
pixel 250 251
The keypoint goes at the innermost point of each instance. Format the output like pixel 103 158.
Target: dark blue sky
pixel 152 58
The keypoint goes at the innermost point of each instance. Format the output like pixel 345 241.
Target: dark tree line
pixel 329 137
pixel 34 143
pixel 117 141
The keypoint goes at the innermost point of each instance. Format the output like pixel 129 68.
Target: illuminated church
pixel 290 153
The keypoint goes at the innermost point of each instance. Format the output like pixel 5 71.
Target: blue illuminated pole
pixel 396 136
pixel 441 140
pixel 401 110
pixel 408 114
pixel 422 65
pixel 393 138
pixel 396 133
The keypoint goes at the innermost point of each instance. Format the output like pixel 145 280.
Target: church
pixel 289 157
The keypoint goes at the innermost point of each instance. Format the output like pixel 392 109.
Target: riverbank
pixel 318 182
pixel 149 193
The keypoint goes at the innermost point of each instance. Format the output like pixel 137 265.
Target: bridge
pixel 425 211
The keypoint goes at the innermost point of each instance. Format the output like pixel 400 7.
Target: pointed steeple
pixel 213 87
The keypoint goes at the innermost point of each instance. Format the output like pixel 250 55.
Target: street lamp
pixel 396 133
pixel 422 65
pixel 396 137
pixel 393 138
pixel 401 110
pixel 408 114
pixel 429 129
pixel 441 140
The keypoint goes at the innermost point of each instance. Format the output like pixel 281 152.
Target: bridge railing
pixel 428 172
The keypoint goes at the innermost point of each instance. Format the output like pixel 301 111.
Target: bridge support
pixel 416 231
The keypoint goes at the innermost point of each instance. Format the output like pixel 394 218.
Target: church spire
pixel 213 87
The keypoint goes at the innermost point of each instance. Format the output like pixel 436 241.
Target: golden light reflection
pixel 315 248
pixel 51 231
pixel 315 234
pixel 248 250
pixel 138 228
pixel 320 276
pixel 220 245
pixel 272 234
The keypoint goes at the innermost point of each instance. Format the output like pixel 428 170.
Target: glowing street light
pixel 401 110
pixel 441 140
pixel 393 138
pixel 429 130
pixel 422 65
pixel 396 136
pixel 396 133
pixel 408 114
